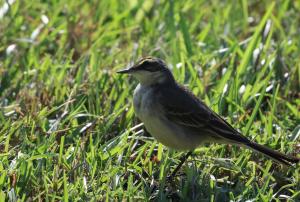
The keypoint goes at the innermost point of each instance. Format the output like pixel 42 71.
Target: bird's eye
pixel 146 65
pixel 149 65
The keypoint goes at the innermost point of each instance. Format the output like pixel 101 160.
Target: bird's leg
pixel 182 160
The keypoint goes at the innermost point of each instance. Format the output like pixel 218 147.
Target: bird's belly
pixel 170 134
pixel 166 132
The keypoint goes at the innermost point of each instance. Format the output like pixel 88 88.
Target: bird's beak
pixel 126 71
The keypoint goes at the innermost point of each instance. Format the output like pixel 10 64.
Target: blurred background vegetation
pixel 67 127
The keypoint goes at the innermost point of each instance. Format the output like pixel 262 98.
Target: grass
pixel 67 126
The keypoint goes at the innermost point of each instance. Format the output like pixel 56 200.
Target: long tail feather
pixel 282 158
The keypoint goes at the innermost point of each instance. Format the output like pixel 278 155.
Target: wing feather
pixel 185 109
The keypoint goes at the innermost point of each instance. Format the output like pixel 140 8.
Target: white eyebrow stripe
pixel 146 59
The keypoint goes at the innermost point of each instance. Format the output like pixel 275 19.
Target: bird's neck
pixel 156 79
pixel 158 85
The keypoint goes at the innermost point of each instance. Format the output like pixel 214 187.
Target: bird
pixel 179 120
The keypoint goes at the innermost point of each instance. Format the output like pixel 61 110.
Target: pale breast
pixel 166 132
pixel 139 101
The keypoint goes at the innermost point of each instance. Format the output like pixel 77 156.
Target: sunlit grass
pixel 67 126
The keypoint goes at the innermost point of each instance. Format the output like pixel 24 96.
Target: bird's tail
pixel 282 158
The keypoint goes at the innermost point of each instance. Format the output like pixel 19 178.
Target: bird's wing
pixel 182 107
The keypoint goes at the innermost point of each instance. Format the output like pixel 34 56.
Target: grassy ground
pixel 67 126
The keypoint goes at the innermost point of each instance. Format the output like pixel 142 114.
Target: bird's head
pixel 149 71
